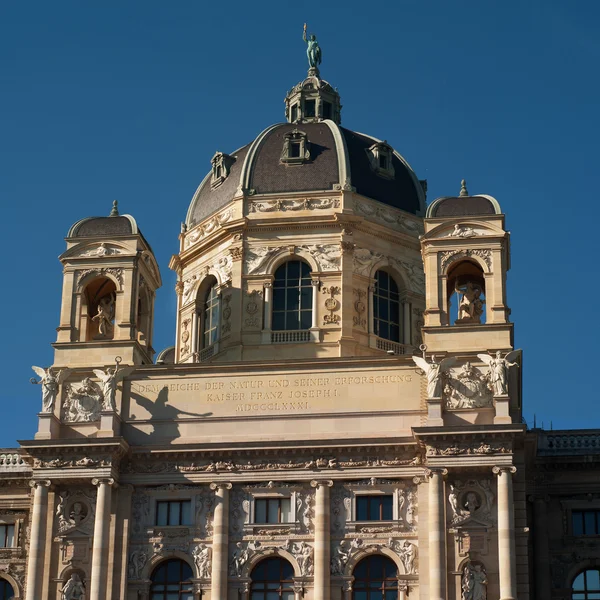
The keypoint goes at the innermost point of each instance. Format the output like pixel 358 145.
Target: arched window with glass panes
pixel 6 590
pixel 208 316
pixel 172 580
pixel 586 586
pixel 375 578
pixel 292 297
pixel 272 579
pixel 391 313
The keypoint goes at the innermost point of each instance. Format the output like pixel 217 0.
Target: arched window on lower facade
pixel 172 580
pixel 272 579
pixel 375 578
pixel 6 590
pixel 209 316
pixel 292 297
pixel 586 586
pixel 386 308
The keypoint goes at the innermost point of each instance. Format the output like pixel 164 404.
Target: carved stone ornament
pixel 462 231
pixel 253 306
pixel 471 502
pixel 327 256
pixel 257 258
pixel 483 448
pixel 360 308
pixel 83 402
pixel 449 256
pixel 224 266
pixel 305 510
pixel 75 512
pixel 204 512
pixel 408 553
pixel 202 559
pixel 467 389
pixel 117 273
pixel 388 215
pixel 304 555
pixel 293 205
pixel 365 259
pixel 101 251
pixel 332 305
pixel 68 463
pixel 341 507
pixel 239 511
pixel 185 337
pixel 188 287
pixel 226 314
pixel 140 511
pixel 73 589
pixel 207 227
pixel 241 555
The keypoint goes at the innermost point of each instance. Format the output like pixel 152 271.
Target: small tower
pixel 110 278
pixel 466 254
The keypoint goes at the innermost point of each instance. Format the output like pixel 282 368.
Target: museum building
pixel 340 417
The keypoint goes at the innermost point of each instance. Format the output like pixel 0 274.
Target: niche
pixel 98 309
pixel 466 294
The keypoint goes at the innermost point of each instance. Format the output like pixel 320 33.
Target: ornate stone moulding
pixel 208 227
pixel 388 216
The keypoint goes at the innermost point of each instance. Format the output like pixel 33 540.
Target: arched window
pixel 171 580
pixel 292 297
pixel 386 307
pixel 209 317
pixel 6 590
pixel 375 578
pixel 586 585
pixel 272 579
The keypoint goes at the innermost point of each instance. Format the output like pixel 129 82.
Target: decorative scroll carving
pixel 449 256
pixel 468 389
pixel 224 266
pixel 341 553
pixel 360 307
pixel 188 287
pixel 332 305
pixel 293 205
pixel 209 226
pixel 117 273
pixel 83 402
pixel 388 216
pixel 459 449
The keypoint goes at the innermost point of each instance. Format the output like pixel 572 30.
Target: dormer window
pixel 221 165
pixel 295 148
pixel 380 157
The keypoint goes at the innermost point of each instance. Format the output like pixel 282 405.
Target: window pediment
pixel 296 148
pixel 380 157
pixel 221 167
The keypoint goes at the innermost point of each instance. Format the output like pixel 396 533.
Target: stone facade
pixel 365 432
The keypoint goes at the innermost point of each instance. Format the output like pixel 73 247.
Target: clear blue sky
pixel 129 100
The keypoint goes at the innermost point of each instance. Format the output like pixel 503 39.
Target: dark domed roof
pixel 463 205
pixel 114 224
pixel 339 159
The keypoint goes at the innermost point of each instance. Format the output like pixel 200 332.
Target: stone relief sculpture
pixel 73 510
pixel 240 511
pixel 105 317
pixel 499 370
pixel 474 582
pixel 468 389
pixel 341 504
pixel 140 511
pixel 83 402
pixel 305 557
pixel 434 372
pixel 471 502
pixel 408 553
pixel 137 561
pixel 201 556
pixel 110 378
pixel 463 231
pixel 470 303
pixel 342 553
pixel 204 504
pixel 73 589
pixel 50 384
pixel 240 557
pixel 328 256
pixel 304 510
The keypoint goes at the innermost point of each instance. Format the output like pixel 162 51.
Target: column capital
pixel 43 482
pixel 298 587
pixel 315 281
pixel 504 469
pixel 226 485
pixel 430 472
pixel 402 586
pixel 97 481
pixel 347 585
pixel 318 482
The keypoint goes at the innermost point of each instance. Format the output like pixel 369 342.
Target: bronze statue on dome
pixel 313 50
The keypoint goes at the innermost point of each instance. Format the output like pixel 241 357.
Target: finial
pixel 463 188
pixel 115 211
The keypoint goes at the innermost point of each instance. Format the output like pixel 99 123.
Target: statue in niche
pixel 470 303
pixel 498 374
pixel 137 560
pixel 73 589
pixel 105 316
pixel 110 378
pixel 77 513
pixel 434 372
pixel 472 502
pixel 313 50
pixel 50 383
pixel 474 582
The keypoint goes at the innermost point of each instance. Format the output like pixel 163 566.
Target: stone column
pixel 298 591
pixel 268 305
pixel 100 543
pixel 220 547
pixel 540 544
pixel 347 589
pixel 37 543
pixel 407 326
pixel 402 590
pixel 506 533
pixel 322 579
pixel 437 535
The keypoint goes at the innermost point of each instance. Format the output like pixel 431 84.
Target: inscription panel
pixel 273 394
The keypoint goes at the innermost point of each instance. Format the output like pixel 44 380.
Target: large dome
pixel 339 159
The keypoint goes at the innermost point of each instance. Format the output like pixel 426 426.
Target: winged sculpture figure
pixel 110 378
pixel 50 383
pixel 499 369
pixel 434 371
